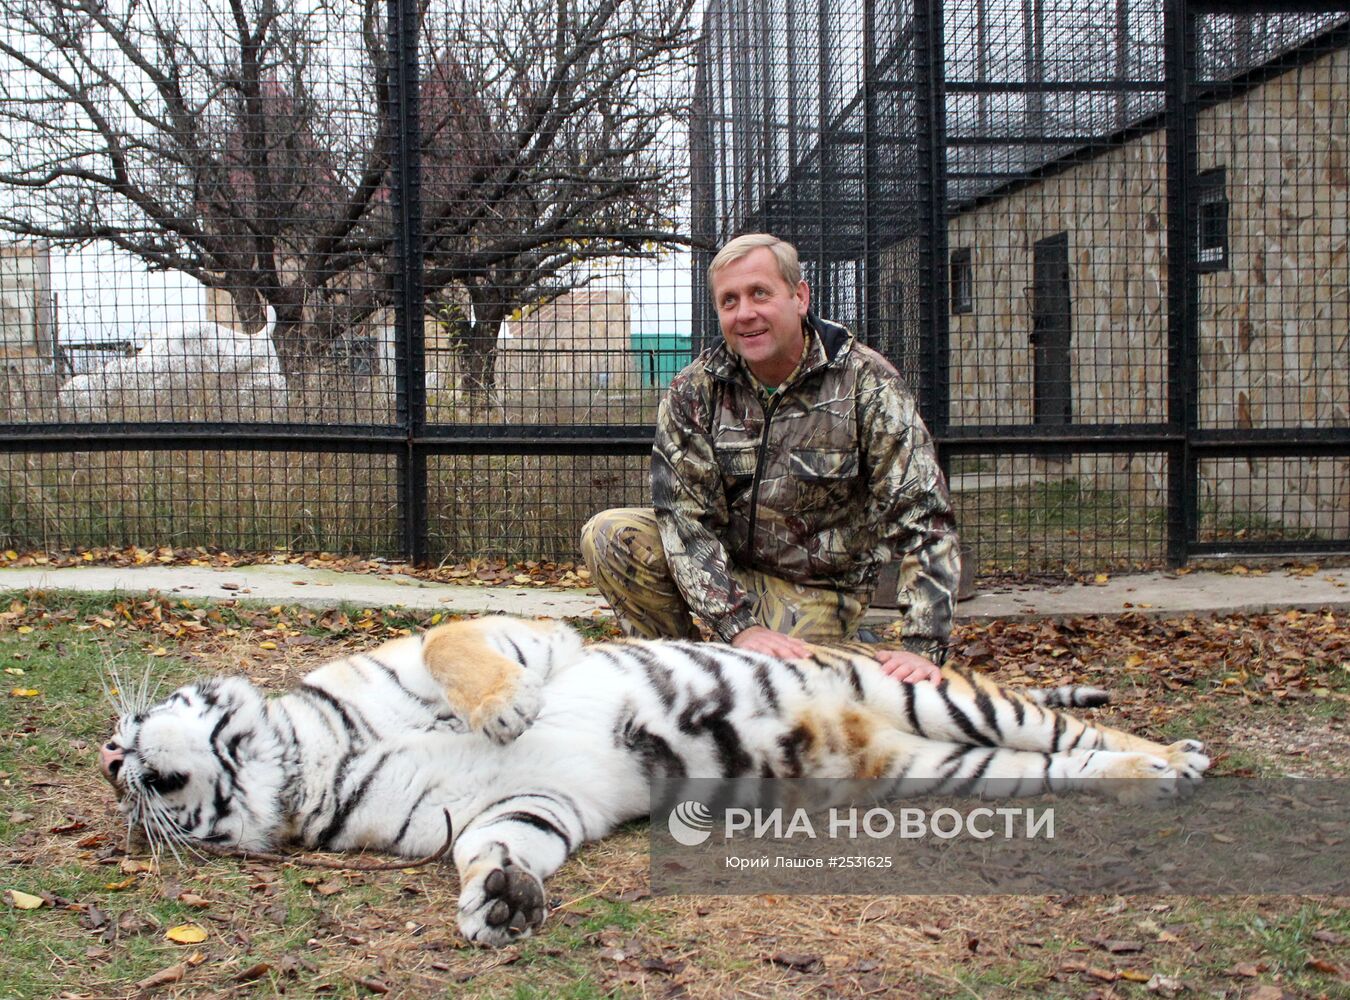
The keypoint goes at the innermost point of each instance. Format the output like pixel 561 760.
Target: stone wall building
pixel 1273 211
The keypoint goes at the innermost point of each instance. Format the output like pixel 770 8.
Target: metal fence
pixel 409 278
pixel 1107 241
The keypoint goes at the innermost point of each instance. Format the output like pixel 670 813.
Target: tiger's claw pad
pixel 508 905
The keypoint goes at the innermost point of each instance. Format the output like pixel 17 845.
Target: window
pixel 963 281
pixel 1211 221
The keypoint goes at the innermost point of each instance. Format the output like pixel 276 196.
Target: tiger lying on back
pixel 535 744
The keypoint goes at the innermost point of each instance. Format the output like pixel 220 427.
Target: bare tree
pixel 251 149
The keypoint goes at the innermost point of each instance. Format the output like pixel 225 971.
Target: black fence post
pixel 703 201
pixel 1183 296
pixel 934 394
pixel 872 196
pixel 409 312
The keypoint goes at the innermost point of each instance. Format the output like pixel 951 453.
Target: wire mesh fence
pixel 411 277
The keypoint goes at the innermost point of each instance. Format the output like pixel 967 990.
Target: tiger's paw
pixel 501 719
pixel 503 905
pixel 1190 763
pixel 1141 779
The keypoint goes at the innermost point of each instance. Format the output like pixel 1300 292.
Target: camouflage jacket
pixel 820 482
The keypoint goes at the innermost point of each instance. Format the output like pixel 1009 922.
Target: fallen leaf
pixel 253 972
pixel 164 977
pixel 22 900
pixel 661 965
pixel 1267 993
pixel 1167 985
pixel 1322 965
pixel 24 693
pixel 801 963
pixel 1118 947
pixel 186 934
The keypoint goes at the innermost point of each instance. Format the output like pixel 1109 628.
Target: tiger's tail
pixel 1068 696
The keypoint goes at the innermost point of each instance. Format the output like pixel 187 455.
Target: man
pixel 790 464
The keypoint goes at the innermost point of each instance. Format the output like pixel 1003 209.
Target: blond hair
pixel 783 252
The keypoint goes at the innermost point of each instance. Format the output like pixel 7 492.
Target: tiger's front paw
pixel 503 718
pixel 504 905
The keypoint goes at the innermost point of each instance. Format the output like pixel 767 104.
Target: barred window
pixel 1211 221
pixel 963 281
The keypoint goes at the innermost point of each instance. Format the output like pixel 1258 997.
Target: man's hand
pixel 908 668
pixel 758 639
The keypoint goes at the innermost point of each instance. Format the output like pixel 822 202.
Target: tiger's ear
pixel 476 679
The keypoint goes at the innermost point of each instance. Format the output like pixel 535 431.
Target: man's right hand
pixel 758 639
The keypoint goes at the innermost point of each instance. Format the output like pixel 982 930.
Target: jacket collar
pixel 826 341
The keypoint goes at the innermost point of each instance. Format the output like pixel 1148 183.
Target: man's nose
pixel 744 312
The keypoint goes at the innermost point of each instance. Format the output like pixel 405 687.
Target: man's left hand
pixel 906 667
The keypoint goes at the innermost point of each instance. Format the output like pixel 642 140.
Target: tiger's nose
pixel 110 758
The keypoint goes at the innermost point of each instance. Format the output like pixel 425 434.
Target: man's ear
pixel 803 298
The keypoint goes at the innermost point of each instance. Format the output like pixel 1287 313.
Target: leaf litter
pixel 394 934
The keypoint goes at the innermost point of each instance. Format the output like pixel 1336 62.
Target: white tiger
pixel 534 744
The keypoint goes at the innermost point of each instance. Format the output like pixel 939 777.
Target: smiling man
pixel 790 465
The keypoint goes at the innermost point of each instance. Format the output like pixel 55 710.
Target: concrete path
pixel 1147 593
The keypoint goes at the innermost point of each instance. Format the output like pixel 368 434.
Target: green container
pixel 660 356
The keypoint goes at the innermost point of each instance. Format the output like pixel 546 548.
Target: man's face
pixel 761 314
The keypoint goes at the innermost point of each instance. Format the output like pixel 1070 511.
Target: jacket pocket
pixel 817 463
pixel 737 460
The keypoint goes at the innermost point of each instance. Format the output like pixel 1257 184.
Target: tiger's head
pixel 202 766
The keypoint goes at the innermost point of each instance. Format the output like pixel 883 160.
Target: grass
pixel 1057 524
pixel 517 506
pixel 513 506
pixel 306 932
pixel 1218 525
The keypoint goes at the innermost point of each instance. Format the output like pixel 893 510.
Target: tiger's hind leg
pixel 1016 719
pixel 969 708
pixel 492 670
pixel 921 766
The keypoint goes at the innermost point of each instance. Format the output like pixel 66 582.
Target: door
pixel 1050 332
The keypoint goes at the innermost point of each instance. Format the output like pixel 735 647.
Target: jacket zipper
pixel 759 467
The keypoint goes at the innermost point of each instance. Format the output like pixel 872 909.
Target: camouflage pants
pixel 622 548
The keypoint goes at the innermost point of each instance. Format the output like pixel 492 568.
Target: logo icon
pixel 690 823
